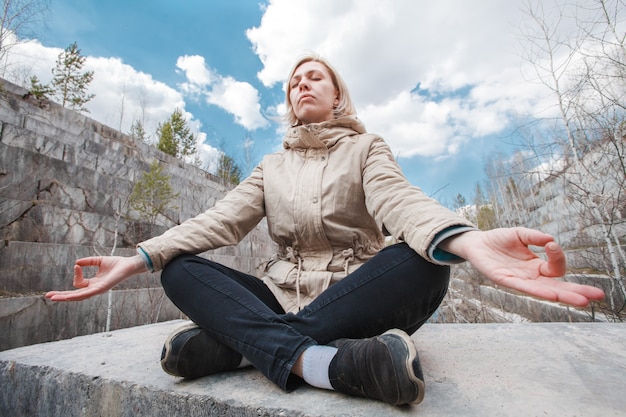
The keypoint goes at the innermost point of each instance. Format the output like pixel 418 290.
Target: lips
pixel 304 96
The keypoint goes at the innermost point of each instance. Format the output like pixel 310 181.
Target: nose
pixel 303 84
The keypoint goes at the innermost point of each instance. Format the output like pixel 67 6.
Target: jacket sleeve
pixel 402 209
pixel 226 223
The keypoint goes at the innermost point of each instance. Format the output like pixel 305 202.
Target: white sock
pixel 244 362
pixel 315 364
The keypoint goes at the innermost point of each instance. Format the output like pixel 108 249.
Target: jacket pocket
pixel 282 273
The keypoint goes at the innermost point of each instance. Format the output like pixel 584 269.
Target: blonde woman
pixel 334 307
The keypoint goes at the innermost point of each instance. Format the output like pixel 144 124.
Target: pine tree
pixel 459 202
pixel 185 140
pixel 167 143
pixel 152 194
pixel 38 90
pixel 137 132
pixel 175 137
pixel 69 83
pixel 227 170
pixel 485 213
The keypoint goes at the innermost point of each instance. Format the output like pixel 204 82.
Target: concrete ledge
pixel 548 369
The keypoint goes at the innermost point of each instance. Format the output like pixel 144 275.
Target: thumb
pixel 79 279
pixel 556 264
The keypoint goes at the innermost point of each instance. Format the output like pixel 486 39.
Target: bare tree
pixel 249 160
pixel 228 171
pixel 19 19
pixel 585 71
pixel 119 212
pixel 122 104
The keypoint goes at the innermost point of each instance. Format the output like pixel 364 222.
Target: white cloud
pixel 241 100
pixel 209 157
pixel 26 59
pixel 238 98
pixel 195 70
pixel 125 95
pixel 419 127
pixel 465 54
pixel 122 94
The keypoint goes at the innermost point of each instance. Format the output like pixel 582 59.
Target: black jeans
pixel 395 289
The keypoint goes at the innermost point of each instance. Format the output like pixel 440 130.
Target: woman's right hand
pixel 111 271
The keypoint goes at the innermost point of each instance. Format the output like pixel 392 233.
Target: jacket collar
pixel 322 135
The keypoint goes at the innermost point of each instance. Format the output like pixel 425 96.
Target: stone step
pixel 533 309
pixel 549 369
pixel 29 269
pixel 36 173
pixel 114 154
pixel 40 222
pixel 68 196
pixel 32 319
pixel 90 151
pixel 75 153
pixel 36 267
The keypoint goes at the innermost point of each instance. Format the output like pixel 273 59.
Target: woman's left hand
pixel 503 256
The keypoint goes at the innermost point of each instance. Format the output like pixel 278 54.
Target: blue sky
pixel 443 82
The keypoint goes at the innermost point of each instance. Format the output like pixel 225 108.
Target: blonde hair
pixel 345 107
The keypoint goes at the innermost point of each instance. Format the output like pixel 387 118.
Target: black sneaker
pixel 190 352
pixel 384 368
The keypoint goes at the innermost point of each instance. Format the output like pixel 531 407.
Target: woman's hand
pixel 111 271
pixel 503 256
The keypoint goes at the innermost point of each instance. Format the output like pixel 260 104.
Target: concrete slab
pixel 548 369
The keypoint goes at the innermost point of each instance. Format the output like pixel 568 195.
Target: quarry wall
pixel 65 180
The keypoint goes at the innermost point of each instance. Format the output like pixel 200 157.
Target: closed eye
pixel 311 75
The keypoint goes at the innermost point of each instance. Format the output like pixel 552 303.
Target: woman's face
pixel 312 93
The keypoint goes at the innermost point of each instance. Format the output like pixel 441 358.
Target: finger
pixel 89 261
pixel 534 237
pixel 531 287
pixel 62 296
pixel 556 264
pixel 554 290
pixel 53 295
pixel 50 294
pixel 594 293
pixel 573 299
pixel 74 295
pixel 587 291
pixel 79 279
pixel 561 296
pixel 571 293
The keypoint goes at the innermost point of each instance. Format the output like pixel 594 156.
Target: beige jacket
pixel 328 197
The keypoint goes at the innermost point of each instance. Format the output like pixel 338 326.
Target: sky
pixel 444 83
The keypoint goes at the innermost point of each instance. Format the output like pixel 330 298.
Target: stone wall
pixel 64 186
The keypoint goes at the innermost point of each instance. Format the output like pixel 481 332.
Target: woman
pixel 334 306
